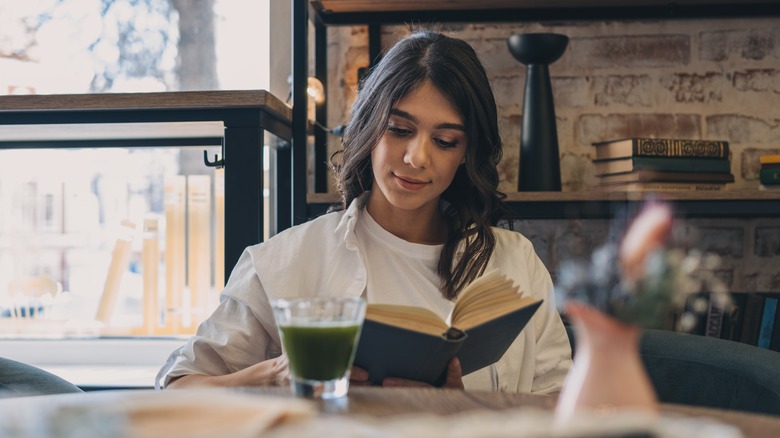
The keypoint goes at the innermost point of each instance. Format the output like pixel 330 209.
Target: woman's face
pixel 417 156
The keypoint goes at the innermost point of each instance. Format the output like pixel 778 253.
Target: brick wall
pixel 711 79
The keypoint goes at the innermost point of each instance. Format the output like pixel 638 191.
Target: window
pixel 87 233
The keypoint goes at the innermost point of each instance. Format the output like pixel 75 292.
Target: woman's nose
pixel 418 153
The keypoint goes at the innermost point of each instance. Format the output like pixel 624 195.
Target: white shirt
pixel 322 257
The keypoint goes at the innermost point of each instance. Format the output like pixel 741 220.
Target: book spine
pixel 769 177
pixel 198 246
pixel 655 147
pixel 660 187
pixel 767 322
pixel 662 164
pixel 751 320
pixel 769 159
pixel 732 323
pixel 151 267
pixel 120 258
pixel 774 341
pixel 175 243
pixel 714 320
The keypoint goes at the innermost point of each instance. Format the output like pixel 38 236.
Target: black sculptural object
pixel 540 167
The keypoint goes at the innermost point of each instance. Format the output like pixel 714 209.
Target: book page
pixel 489 296
pixel 408 317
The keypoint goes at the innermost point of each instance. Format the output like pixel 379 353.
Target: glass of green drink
pixel 319 336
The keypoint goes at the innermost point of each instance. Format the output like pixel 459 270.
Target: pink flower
pixel 647 233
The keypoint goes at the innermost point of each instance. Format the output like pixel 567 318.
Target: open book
pixel 415 343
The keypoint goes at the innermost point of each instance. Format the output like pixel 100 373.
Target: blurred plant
pixel 642 279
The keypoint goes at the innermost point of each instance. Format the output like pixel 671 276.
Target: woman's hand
pixel 454 378
pixel 271 372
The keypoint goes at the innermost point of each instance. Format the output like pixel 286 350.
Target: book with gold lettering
pixel 661 147
pixel 415 343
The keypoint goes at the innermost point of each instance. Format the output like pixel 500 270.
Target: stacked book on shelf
pixel 769 174
pixel 658 164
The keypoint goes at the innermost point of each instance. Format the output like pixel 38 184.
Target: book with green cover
pixel 769 177
pixel 661 147
pixel 621 165
pixel 416 344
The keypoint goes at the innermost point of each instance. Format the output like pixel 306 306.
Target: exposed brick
pixel 630 51
pixel 509 127
pixel 760 80
pixel 743 129
pixel 762 281
pixel 751 164
pixel 630 90
pixel 693 87
pixel 572 92
pixel 576 172
pixel 593 127
pixel 753 44
pixel 509 94
pixel 724 241
pixel 767 242
pixel 495 53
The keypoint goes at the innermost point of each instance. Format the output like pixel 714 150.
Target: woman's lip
pixel 410 183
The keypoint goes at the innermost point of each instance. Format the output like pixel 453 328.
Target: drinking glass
pixel 319 336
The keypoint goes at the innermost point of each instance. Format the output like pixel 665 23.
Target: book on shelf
pixel 658 176
pixel 774 338
pixel 661 147
pixel 769 159
pixel 732 319
pixel 714 322
pixel 415 343
pixel 769 177
pixel 767 321
pixel 751 318
pixel 621 165
pixel 662 187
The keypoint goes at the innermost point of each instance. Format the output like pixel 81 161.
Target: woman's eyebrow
pixel 405 115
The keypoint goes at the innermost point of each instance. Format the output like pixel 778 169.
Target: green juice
pixel 320 352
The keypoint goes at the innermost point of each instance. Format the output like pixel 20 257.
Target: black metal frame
pixel 243 146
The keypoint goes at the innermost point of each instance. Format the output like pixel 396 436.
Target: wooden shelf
pixel 604 205
pixel 345 12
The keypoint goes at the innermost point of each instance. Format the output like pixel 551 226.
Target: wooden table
pixel 388 402
pixel 371 409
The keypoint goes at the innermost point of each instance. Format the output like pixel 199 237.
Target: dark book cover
pixel 388 351
pixel 714 325
pixel 767 321
pixel 662 147
pixel 769 176
pixel 732 318
pixel 774 337
pixel 621 165
pixel 751 320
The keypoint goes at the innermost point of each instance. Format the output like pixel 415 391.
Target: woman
pixel 420 199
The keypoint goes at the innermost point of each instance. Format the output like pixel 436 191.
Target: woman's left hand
pixel 454 378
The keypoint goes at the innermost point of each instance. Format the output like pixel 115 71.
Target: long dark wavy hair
pixel 474 202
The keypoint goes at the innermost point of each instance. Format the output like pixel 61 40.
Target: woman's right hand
pixel 270 372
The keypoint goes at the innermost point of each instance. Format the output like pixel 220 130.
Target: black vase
pixel 540 164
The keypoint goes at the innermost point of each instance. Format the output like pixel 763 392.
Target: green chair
pixel 703 371
pixel 19 379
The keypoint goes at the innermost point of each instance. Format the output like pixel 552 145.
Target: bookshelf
pixel 603 205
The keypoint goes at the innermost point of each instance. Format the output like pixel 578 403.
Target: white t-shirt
pixel 323 257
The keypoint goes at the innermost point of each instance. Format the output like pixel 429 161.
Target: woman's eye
pixel 445 143
pixel 401 132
